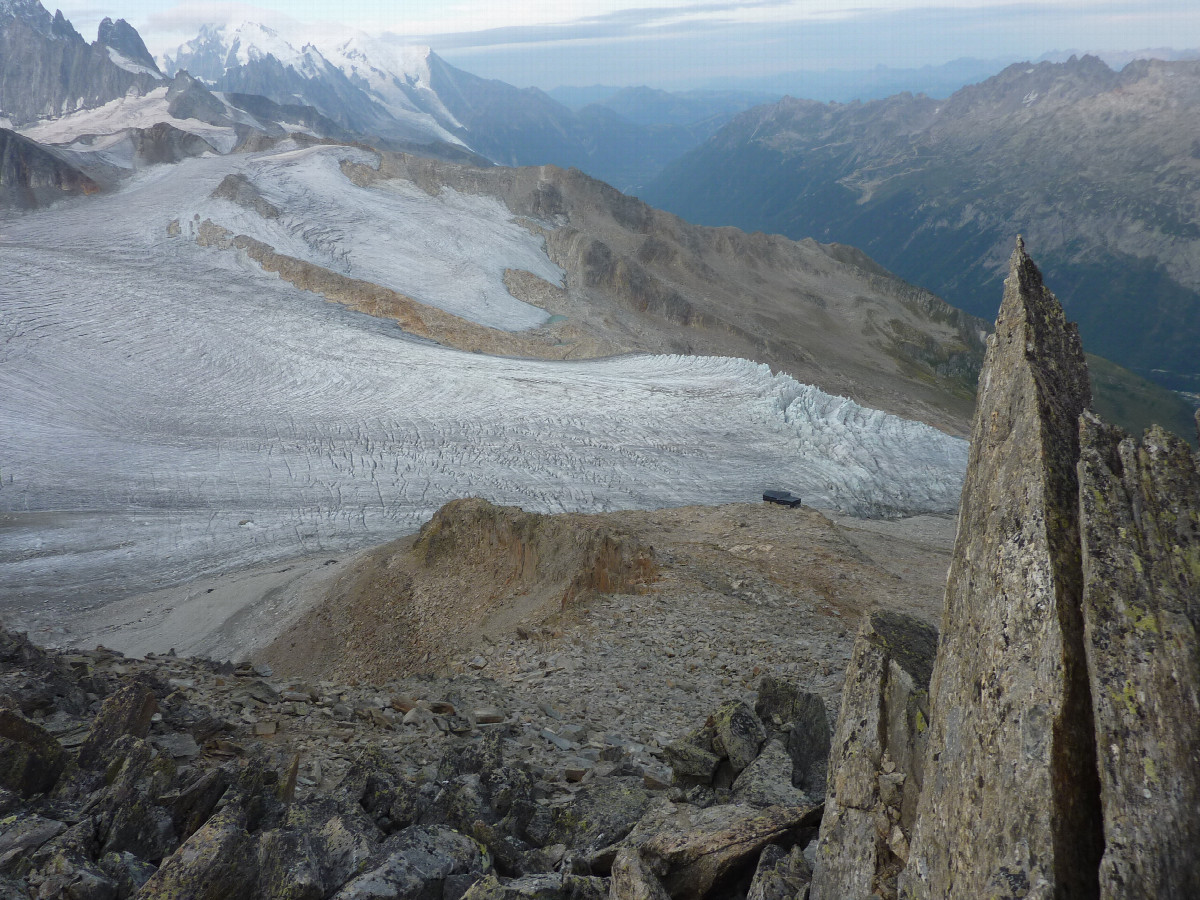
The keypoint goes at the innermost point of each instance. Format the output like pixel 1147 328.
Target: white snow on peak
pixel 219 48
pixel 393 73
pixel 407 61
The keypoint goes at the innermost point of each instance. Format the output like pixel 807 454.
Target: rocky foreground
pixel 1045 744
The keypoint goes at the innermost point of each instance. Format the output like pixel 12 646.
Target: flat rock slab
pixel 695 849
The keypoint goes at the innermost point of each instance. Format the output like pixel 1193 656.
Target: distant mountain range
pixel 397 96
pixel 933 190
pixel 382 89
pixel 1100 170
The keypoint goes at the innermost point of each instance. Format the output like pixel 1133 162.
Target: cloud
pixel 190 16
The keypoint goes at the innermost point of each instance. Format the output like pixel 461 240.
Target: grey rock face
pixel 123 38
pixel 768 780
pixel 782 704
pixel 1140 522
pixel 187 98
pixel 631 880
pixel 780 875
pixel 128 711
pixel 876 771
pixel 30 759
pixel 417 861
pixel 47 69
pixel 1010 802
pixel 694 850
pixel 32 175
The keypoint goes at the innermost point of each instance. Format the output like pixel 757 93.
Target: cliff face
pixel 1063 748
pixel 48 69
pixel 1140 521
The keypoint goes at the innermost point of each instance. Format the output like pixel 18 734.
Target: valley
pixel 1095 167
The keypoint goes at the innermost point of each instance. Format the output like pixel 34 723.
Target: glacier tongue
pixel 168 410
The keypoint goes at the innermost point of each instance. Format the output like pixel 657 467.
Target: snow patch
pixel 124 62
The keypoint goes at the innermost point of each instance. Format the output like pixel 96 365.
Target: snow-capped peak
pixel 409 61
pixel 397 74
pixel 219 48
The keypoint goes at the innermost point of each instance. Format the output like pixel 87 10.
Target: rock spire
pixel 1010 804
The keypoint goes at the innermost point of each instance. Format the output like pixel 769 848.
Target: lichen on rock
pixel 1140 523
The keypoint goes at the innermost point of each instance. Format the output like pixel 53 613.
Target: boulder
pixel 126 871
pixel 1010 801
pixel 780 875
pixel 737 734
pixel 22 835
pixel 128 711
pixel 691 758
pixel 768 780
pixel 781 705
pixel 538 887
pixel 215 863
pixel 319 845
pixel 1140 524
pixel 632 880
pixel 30 758
pixel 601 813
pixel 696 850
pixel 876 771
pixel 415 862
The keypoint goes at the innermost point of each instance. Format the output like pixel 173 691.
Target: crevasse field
pixel 169 411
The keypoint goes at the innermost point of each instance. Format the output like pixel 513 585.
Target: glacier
pixel 170 411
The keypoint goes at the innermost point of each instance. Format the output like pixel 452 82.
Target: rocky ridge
pixel 48 69
pixel 170 777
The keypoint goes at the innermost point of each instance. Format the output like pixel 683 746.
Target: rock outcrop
pixel 1010 802
pixel 123 37
pixel 877 767
pixel 170 778
pixel 1140 522
pixel 1062 752
pixel 32 175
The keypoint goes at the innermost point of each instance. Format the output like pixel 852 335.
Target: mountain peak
pixel 125 40
pixel 219 48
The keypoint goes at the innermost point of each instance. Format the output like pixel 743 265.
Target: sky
pixel 673 44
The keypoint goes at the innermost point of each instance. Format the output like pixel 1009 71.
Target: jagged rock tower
pixel 1010 805
pixel 1062 758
